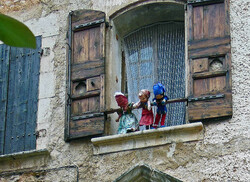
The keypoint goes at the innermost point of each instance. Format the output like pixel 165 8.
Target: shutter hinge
pixel 87 115
pixel 69 100
pixel 206 98
pixel 40 52
pixel 107 24
pixel 203 2
pixel 93 23
pixel 69 46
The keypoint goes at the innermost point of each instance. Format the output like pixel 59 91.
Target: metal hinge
pixel 206 97
pixel 203 2
pixel 69 99
pixel 88 24
pixel 40 52
pixel 88 115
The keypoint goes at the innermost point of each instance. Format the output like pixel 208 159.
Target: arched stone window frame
pixel 207 37
pixel 131 18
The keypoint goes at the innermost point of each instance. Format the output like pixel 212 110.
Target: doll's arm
pixel 154 102
pixel 148 105
pixel 136 105
pixel 164 100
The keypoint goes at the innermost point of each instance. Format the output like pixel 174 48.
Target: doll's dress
pixel 147 117
pixel 127 122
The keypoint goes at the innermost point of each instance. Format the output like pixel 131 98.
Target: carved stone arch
pixel 120 10
pixel 138 14
pixel 144 173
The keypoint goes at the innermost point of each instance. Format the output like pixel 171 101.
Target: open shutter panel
pixel 4 74
pixel 210 92
pixel 86 73
pixel 22 99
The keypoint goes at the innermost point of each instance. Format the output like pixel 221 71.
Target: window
pixel 19 79
pixel 183 44
pixel 156 53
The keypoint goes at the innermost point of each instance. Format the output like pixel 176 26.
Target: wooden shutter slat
pixel 86 95
pixel 86 127
pixel 210 51
pixel 203 2
pixel 89 64
pixel 210 60
pixel 86 16
pixel 204 43
pixel 208 109
pixel 209 74
pixel 86 70
pixel 82 74
pixel 4 76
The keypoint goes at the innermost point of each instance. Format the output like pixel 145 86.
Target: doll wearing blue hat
pixel 160 101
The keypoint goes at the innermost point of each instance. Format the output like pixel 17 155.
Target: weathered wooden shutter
pixel 210 92
pixel 20 98
pixel 85 74
pixel 4 73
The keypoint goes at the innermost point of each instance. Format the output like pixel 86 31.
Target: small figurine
pixel 160 101
pixel 147 117
pixel 127 120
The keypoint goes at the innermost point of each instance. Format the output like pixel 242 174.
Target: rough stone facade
pixel 223 154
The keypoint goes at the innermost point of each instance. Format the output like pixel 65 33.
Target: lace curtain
pixel 154 54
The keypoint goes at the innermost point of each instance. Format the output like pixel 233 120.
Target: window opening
pixel 156 53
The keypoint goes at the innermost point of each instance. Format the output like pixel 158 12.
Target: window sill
pixel 24 154
pixel 148 138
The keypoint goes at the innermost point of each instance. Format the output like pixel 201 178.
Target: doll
pixel 160 101
pixel 147 117
pixel 127 120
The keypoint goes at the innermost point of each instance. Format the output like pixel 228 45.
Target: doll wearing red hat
pixel 127 120
pixel 147 117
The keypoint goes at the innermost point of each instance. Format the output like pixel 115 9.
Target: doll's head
pixel 159 90
pixel 121 100
pixel 144 95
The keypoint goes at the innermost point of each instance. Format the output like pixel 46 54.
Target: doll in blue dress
pixel 127 120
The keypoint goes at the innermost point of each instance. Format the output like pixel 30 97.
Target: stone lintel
pixel 148 138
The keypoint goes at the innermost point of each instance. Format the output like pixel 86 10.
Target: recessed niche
pixel 216 64
pixel 79 88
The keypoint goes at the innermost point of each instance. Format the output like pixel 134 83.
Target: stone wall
pixel 223 154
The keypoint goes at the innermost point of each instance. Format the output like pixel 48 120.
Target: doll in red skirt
pixel 147 117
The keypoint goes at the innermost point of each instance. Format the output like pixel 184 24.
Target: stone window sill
pixel 148 138
pixel 24 154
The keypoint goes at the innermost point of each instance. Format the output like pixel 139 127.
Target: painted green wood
pixel 4 69
pixel 22 99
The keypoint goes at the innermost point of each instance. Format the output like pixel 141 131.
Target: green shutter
pixel 22 99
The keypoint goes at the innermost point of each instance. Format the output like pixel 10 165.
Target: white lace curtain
pixel 154 54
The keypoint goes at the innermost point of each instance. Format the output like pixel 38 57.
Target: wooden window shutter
pixel 209 54
pixel 86 61
pixel 19 81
